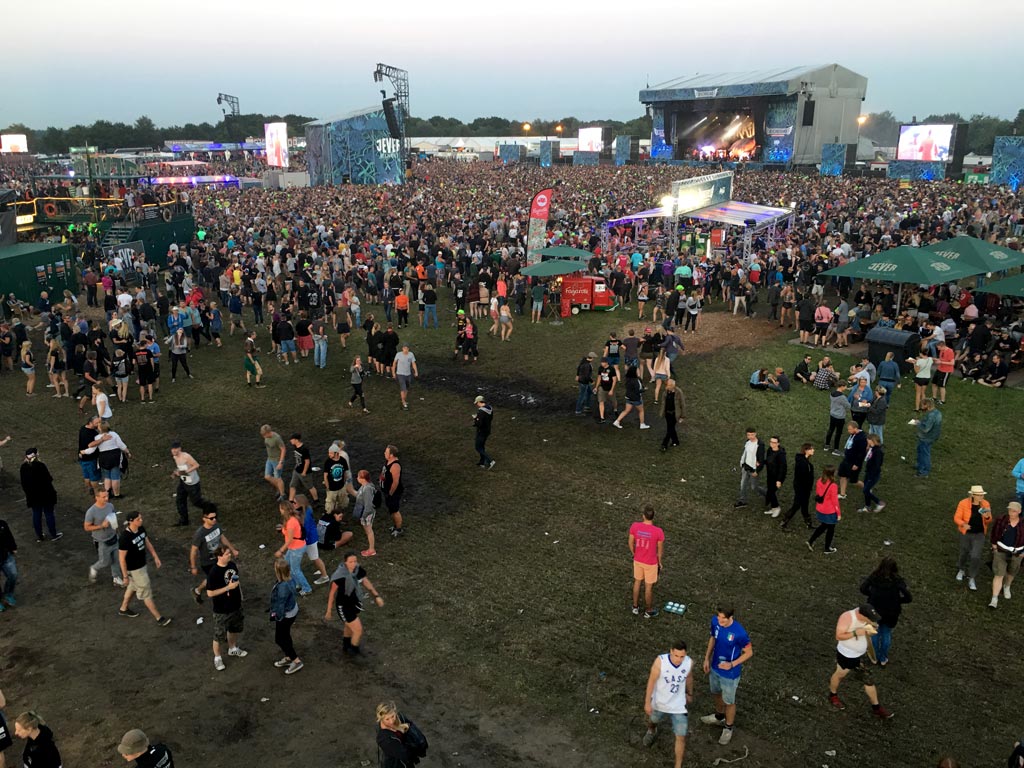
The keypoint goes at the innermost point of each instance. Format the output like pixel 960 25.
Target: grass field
pixel 507 634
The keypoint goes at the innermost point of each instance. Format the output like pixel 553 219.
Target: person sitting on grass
pixel 779 381
pixel 973 367
pixel 802 372
pixel 825 377
pixel 996 373
pixel 759 379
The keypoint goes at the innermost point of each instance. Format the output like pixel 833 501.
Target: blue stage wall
pixel 833 159
pixel 1008 161
pixel 585 158
pixel 511 153
pixel 916 170
pixel 549 152
pixel 779 129
pixel 622 149
pixel 659 149
pixel 358 148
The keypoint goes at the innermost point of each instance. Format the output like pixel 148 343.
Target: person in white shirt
pixel 853 642
pixel 186 470
pixel 669 690
pixel 101 401
pixel 110 447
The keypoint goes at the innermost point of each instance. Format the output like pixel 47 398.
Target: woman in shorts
pixel 641 299
pixel 28 367
pixel 344 326
pixel 922 378
pixel 788 300
pixel 660 370
pixel 505 322
pixel 57 367
pixel 348 584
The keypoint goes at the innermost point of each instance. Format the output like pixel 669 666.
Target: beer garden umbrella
pixel 987 257
pixel 905 264
pixel 1011 286
pixel 553 267
pixel 565 252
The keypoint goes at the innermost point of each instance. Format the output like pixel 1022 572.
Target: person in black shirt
pixel 132 545
pixel 802 372
pixel 225 591
pixel 671 408
pixel 803 482
pixel 87 456
pixel 302 479
pixel 776 467
pixel 585 380
pixel 135 746
pixel 482 421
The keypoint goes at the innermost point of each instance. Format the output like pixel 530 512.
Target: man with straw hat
pixel 972 517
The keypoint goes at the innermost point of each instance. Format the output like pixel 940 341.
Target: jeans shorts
pixel 726 686
pixel 270 469
pixel 90 471
pixel 288 346
pixel 404 382
pixel 538 306
pixel 680 723
pixel 114 475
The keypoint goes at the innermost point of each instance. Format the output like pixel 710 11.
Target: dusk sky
pixel 77 62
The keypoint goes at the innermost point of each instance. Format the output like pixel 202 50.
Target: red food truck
pixel 586 292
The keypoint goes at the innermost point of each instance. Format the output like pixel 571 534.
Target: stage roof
pixel 733 213
pixel 761 82
pixel 346 116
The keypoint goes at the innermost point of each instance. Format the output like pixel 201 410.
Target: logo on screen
pixel 389 146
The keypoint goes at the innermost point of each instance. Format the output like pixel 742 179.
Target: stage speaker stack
pixel 957 152
pixel 851 156
pixel 392 117
pixel 634 149
pixel 808 113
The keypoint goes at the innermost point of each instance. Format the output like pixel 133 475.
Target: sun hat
pixel 977 490
pixel 133 742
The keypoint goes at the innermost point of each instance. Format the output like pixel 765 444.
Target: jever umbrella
pixel 1011 286
pixel 987 257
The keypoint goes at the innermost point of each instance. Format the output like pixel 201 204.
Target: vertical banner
pixel 8 228
pixel 539 210
pixel 276 138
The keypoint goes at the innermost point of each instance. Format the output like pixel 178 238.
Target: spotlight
pixel 667 201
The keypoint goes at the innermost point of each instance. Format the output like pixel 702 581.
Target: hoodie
pixel 838 406
pixel 41 752
pixel 482 420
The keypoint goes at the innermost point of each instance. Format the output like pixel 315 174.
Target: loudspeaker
pixel 958 150
pixel 851 155
pixel 808 113
pixel 389 114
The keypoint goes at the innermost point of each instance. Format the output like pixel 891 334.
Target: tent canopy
pixel 985 256
pixel 553 267
pixel 565 252
pixel 1011 286
pixel 904 264
pixel 733 213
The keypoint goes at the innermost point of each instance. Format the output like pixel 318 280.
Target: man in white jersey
pixel 853 637
pixel 669 690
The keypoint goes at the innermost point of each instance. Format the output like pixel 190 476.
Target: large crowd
pixel 289 271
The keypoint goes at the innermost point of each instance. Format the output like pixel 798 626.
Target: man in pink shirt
pixel 647 544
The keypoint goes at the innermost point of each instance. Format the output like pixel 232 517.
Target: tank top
pixel 670 690
pixel 855 647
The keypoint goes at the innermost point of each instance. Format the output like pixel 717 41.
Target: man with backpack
pixel 585 381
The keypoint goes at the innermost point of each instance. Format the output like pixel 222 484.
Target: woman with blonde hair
pixel 28 367
pixel 294 544
pixel 401 743
pixel 40 750
pixel 284 607
pixel 661 369
pixel 505 320
pixel 57 367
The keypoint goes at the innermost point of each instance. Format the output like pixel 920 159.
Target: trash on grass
pixel 199 620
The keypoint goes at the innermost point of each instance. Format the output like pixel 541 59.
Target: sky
pixel 110 59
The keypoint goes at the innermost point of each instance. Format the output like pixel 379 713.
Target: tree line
pixel 108 136
pixel 884 128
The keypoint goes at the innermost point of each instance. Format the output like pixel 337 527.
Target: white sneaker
pixel 294 667
pixel 971 585
pixel 769 511
pixel 994 602
pixel 616 425
pixel 959 575
pixel 776 512
pixel 218 663
pixel 118 581
pixel 322 580
pixel 236 651
pixel 726 736
pixel 93 575
pixel 282 662
pixel 645 426
pixel 1006 593
pixel 712 720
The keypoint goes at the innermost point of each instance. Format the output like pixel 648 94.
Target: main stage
pixel 771 116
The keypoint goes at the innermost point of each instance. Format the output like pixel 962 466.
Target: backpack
pixel 378 498
pixel 415 740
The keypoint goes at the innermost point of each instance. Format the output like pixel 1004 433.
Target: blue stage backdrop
pixel 355 147
pixel 585 158
pixel 549 152
pixel 511 153
pixel 622 149
pixel 659 149
pixel 1008 161
pixel 833 159
pixel 916 170
pixel 779 127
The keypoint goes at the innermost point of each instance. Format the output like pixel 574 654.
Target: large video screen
pixel 925 142
pixel 13 142
pixel 277 144
pixel 590 140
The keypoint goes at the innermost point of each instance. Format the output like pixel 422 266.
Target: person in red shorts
pixel 647 543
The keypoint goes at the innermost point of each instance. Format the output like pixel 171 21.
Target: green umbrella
pixel 906 265
pixel 553 267
pixel 1011 286
pixel 565 252
pixel 986 257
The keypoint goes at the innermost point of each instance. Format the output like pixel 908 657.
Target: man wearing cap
pixel 1007 551
pixel 337 479
pixel 972 518
pixel 853 637
pixel 585 381
pixel 135 746
pixel 482 422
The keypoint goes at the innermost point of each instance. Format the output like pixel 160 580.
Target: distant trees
pixel 884 128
